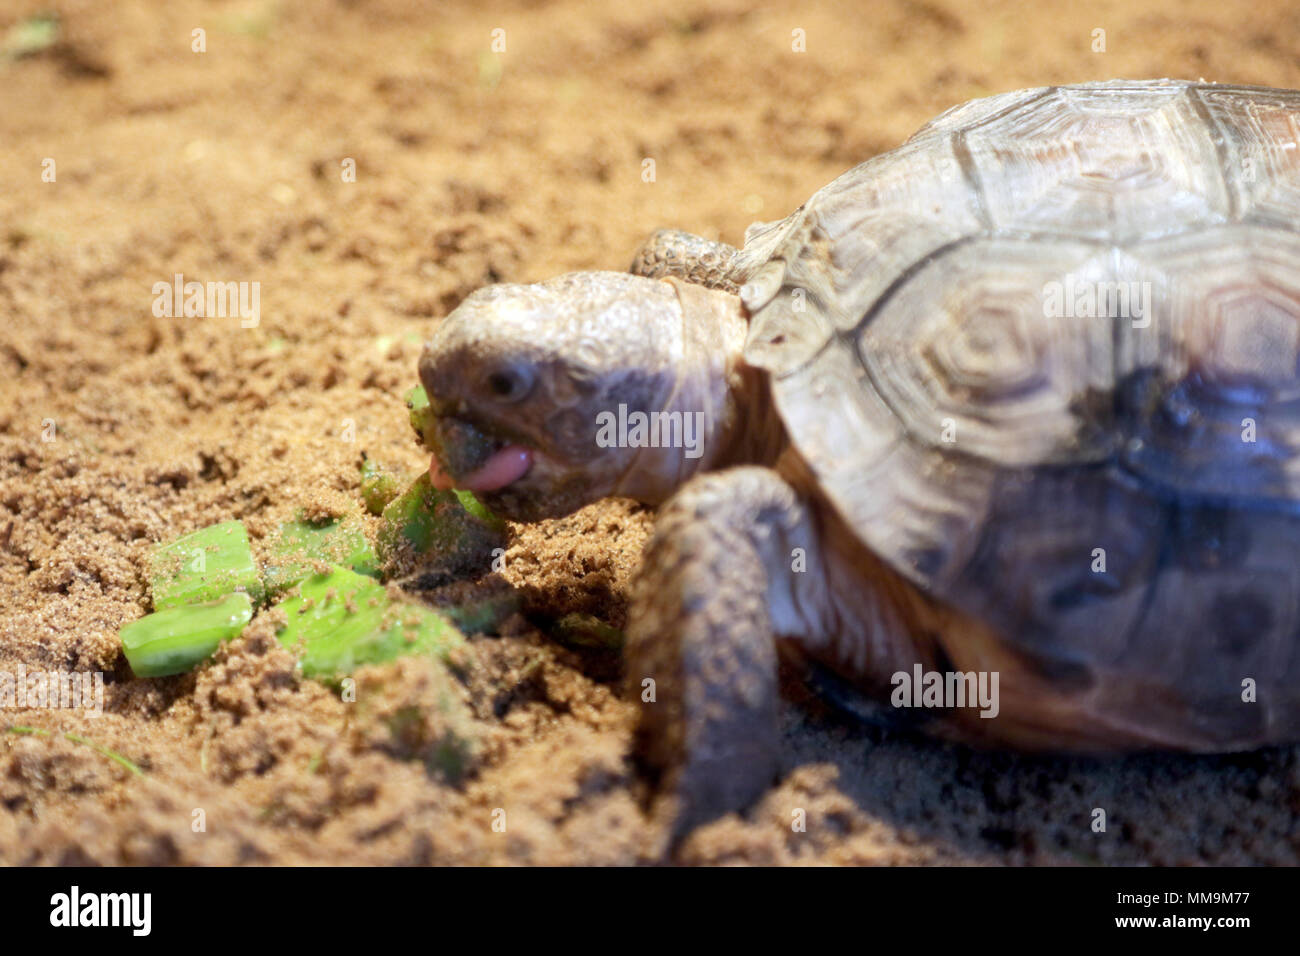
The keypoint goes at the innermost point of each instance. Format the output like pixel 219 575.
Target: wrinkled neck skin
pixel 714 383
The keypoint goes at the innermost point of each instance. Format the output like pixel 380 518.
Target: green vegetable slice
pixel 585 630
pixel 430 521
pixel 378 486
pixel 477 508
pixel 421 415
pixel 177 639
pixel 343 620
pixel 203 566
pixel 298 547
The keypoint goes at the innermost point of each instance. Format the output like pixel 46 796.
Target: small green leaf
pixel 476 507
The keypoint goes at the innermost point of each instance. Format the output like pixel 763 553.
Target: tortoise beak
pixel 466 457
pixel 460 447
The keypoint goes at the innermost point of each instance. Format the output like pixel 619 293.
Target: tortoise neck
pixel 718 404
pixel 752 432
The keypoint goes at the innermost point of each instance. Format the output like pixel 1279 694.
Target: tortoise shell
pixel 1042 360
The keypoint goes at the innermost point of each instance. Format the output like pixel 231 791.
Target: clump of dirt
pixel 368 166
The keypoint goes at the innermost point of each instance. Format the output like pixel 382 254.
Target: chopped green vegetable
pixel 433 524
pixel 485 616
pixel 203 566
pixel 30 36
pixel 467 446
pixel 445 744
pixel 299 546
pixel 343 620
pixel 585 630
pixel 378 486
pixel 414 709
pixel 476 507
pixel 421 415
pixel 177 639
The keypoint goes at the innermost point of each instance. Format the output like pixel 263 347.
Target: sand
pixel 119 428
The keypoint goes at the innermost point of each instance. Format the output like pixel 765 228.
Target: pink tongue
pixel 504 467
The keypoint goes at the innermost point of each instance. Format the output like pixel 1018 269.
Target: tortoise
pixel 1017 400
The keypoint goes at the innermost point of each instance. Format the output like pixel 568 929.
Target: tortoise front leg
pixel 671 252
pixel 714 590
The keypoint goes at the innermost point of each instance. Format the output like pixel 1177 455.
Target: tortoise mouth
pixel 502 468
pixel 467 456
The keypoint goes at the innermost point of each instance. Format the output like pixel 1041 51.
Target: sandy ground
pixel 472 166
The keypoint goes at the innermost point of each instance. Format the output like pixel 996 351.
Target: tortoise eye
pixel 510 383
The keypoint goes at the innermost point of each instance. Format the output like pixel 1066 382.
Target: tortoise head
pixel 537 390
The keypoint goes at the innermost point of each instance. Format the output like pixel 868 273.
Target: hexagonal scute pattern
pixel 972 113
pixel 999 363
pixel 1209 390
pixel 932 261
pixel 1260 135
pixel 848 244
pixel 911 504
pixel 1108 163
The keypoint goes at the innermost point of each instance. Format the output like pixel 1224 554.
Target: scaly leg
pixel 671 252
pixel 714 591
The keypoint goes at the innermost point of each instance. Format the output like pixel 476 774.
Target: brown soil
pixel 472 167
